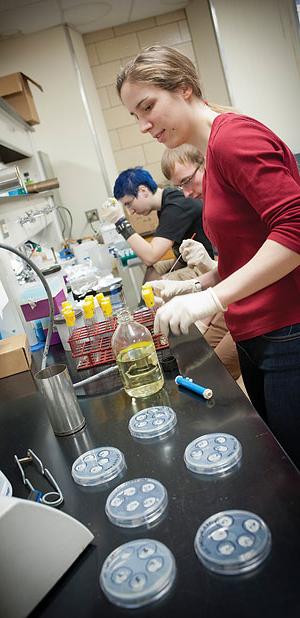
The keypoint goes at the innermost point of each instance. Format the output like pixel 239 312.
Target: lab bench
pixel 265 483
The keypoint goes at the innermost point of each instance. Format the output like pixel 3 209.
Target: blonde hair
pixel 166 68
pixel 183 154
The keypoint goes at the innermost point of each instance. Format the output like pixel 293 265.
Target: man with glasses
pixel 179 218
pixel 184 167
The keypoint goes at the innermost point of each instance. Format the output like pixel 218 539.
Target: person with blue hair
pixel 129 181
pixel 178 218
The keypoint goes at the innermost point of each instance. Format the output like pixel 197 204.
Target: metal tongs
pixel 51 498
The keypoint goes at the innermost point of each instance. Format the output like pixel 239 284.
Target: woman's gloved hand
pixel 111 211
pixel 179 313
pixel 195 254
pixel 164 289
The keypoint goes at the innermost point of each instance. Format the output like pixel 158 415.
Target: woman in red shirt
pixel 251 194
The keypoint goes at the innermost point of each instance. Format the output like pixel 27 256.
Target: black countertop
pixel 266 483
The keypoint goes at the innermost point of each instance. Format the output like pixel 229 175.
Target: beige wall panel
pixel 168 18
pixel 98 35
pixel 113 96
pixel 103 97
pixel 164 35
pixel 129 157
pixel 184 31
pixel 118 117
pixel 153 151
pixel 114 139
pixel 131 136
pixel 118 47
pixel 92 54
pixel 105 74
pixel 134 26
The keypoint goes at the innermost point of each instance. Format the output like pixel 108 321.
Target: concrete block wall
pixel 110 49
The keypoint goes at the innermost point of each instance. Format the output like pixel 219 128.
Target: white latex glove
pixel 164 289
pixel 195 254
pixel 111 210
pixel 180 312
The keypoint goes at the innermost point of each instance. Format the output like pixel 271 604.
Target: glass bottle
pixel 136 357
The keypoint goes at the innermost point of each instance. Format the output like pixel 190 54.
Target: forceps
pixel 51 498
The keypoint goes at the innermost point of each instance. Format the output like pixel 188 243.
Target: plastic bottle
pixel 27 179
pixel 136 357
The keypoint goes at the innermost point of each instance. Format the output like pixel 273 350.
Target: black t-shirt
pixel 179 218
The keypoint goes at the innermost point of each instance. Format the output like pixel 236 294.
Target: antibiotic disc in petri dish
pixel 152 422
pixel 213 453
pixel 97 466
pixel 232 542
pixel 136 503
pixel 138 573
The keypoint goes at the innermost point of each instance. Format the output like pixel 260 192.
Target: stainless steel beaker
pixel 55 384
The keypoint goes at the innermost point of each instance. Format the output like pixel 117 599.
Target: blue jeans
pixel 270 366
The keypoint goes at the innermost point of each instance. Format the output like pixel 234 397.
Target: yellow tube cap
pixel 148 297
pixel 88 309
pixel 106 307
pixel 99 298
pixel 70 318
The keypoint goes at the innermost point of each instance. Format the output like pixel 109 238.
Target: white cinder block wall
pixel 110 49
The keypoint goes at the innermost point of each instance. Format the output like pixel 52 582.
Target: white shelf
pixel 26 198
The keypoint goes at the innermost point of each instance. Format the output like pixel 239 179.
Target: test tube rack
pixel 92 344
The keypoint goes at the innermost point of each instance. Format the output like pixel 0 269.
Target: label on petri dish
pixel 138 573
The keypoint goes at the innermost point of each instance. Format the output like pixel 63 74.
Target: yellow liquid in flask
pixel 140 370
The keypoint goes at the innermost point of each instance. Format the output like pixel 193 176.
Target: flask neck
pixel 124 316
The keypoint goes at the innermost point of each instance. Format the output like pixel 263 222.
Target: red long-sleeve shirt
pixel 251 193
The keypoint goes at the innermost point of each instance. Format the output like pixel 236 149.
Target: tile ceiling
pixel 19 17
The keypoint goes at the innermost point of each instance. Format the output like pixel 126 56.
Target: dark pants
pixel 270 366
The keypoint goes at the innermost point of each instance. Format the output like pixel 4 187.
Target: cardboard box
pixel 14 88
pixel 143 224
pixel 15 355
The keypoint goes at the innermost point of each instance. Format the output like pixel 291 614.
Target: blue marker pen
pixel 193 386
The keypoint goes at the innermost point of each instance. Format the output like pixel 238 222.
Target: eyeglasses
pixel 187 181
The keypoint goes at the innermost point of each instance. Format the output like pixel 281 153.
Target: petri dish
pixel 232 542
pixel 138 573
pixel 135 503
pixel 97 466
pixel 152 422
pixel 213 453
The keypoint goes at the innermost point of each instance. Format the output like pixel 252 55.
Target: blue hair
pixel 129 181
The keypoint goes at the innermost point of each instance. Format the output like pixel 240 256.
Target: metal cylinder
pixel 43 185
pixel 55 384
pixel 10 178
